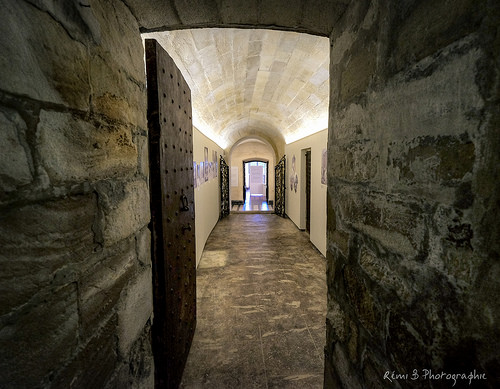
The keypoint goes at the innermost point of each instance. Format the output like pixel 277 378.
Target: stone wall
pixel 413 193
pixel 75 264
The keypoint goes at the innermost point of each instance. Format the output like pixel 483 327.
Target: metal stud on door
pixel 172 215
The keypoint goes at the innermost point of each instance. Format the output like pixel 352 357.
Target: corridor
pixel 261 295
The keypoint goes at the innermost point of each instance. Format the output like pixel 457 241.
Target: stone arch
pixel 271 158
pixel 261 138
pixel 307 16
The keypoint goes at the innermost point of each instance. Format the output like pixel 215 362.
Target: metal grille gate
pixel 279 187
pixel 224 188
pixel 308 190
pixel 172 215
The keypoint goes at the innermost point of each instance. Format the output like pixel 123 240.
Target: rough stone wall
pixel 413 193
pixel 75 269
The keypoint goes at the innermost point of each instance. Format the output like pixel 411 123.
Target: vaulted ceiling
pixel 268 84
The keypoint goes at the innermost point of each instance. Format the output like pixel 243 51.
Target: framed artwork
pixel 205 171
pixel 214 163
pixel 195 173
pixel 324 160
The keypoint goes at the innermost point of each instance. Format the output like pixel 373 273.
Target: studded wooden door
pixel 279 188
pixel 172 215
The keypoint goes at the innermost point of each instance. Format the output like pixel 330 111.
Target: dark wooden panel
pixel 172 215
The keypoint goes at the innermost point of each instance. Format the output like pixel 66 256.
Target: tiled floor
pixel 261 307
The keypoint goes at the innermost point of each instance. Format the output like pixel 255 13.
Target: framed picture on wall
pixel 214 162
pixel 195 179
pixel 205 171
pixel 324 159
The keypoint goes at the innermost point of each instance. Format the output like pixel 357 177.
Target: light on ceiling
pixel 309 126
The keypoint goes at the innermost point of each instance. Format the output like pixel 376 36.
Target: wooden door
pixel 279 187
pixel 172 215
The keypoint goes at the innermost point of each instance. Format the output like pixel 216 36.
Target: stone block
pixel 436 101
pixel 320 15
pixel 397 223
pixel 142 154
pixel 336 321
pixel 290 14
pixel 73 150
pixel 373 373
pixel 38 337
pixel 403 347
pixel 135 309
pixel 361 299
pixel 121 41
pixel 154 13
pixel 358 71
pixel 99 358
pixel 331 215
pixel 340 240
pixel 205 12
pixel 141 361
pixel 441 160
pixel 125 209
pixel 43 244
pixel 435 97
pixel 340 45
pixel 356 161
pixel 117 75
pixel 390 279
pixel 429 27
pixel 39 59
pixel 94 364
pixel 101 286
pixel 392 241
pixel 454 230
pixel 15 157
pixel 143 242
pixel 239 11
pixel 352 123
pixel 344 368
pixel 352 344
pixel 137 370
pixel 115 94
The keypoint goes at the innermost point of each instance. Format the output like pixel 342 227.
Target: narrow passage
pixel 261 294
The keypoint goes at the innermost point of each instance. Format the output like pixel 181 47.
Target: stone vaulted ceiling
pixel 244 83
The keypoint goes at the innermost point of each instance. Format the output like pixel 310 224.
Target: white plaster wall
pixel 206 195
pixel 295 201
